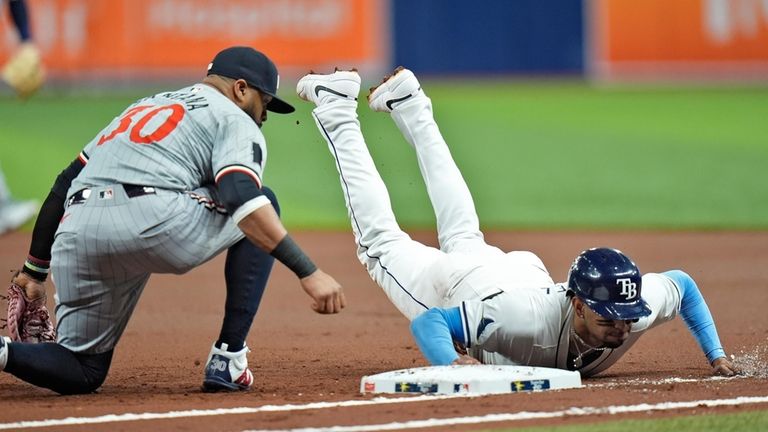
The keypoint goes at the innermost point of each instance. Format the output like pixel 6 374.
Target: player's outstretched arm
pixel 325 291
pixel 263 228
pixel 434 332
pixel 698 318
pixel 723 366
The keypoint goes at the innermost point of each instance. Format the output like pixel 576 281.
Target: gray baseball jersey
pixel 174 146
pixel 177 141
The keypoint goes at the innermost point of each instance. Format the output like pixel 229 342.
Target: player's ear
pixel 240 87
pixel 578 307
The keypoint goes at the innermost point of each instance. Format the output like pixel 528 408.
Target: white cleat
pixel 14 214
pixel 323 89
pixel 395 89
pixel 227 371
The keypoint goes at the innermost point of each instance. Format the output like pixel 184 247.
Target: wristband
pixel 289 253
pixel 37 269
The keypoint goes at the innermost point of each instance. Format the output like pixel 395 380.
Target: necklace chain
pixel 578 340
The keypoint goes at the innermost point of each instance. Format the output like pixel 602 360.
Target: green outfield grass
pixel 751 421
pixel 550 155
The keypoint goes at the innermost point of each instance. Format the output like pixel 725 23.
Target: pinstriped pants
pixel 106 248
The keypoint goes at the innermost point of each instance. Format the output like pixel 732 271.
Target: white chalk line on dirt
pixel 652 382
pixel 111 418
pixel 527 415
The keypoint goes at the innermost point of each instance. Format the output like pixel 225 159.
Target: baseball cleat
pixel 227 371
pixel 397 88
pixel 322 89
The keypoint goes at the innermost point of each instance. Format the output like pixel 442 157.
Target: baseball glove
pixel 24 71
pixel 28 320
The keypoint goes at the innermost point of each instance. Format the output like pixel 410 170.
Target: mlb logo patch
pixel 461 388
pixel 106 194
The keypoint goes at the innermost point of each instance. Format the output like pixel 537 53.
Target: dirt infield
pixel 299 357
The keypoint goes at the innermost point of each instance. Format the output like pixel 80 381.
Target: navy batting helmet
pixel 609 283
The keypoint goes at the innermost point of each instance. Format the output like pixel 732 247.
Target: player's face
pixel 606 332
pixel 251 100
pixel 256 105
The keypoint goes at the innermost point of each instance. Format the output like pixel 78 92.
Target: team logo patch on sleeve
pixel 481 327
pixel 257 156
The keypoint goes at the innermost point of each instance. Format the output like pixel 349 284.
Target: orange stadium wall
pixel 164 38
pixel 678 39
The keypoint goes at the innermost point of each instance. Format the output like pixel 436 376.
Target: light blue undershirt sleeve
pixel 695 313
pixel 434 331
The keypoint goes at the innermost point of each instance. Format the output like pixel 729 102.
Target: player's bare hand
pixel 33 288
pixel 466 360
pixel 723 366
pixel 325 291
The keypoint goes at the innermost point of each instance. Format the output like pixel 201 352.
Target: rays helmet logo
pixel 628 288
pixel 609 283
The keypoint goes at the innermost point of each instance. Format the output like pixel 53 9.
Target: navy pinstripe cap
pixel 255 68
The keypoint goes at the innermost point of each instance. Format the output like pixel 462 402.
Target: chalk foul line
pixel 111 418
pixel 525 415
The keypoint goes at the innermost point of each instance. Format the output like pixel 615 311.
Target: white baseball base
pixel 476 379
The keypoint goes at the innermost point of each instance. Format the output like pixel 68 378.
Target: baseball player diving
pixel 169 184
pixel 470 302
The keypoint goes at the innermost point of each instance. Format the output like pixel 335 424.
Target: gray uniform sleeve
pixel 240 146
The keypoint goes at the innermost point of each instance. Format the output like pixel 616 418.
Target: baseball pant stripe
pixel 393 259
pixel 458 226
pixel 353 217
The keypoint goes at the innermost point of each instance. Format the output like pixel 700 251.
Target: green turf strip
pixel 750 421
pixel 536 154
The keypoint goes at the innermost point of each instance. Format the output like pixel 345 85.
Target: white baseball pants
pixel 415 277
